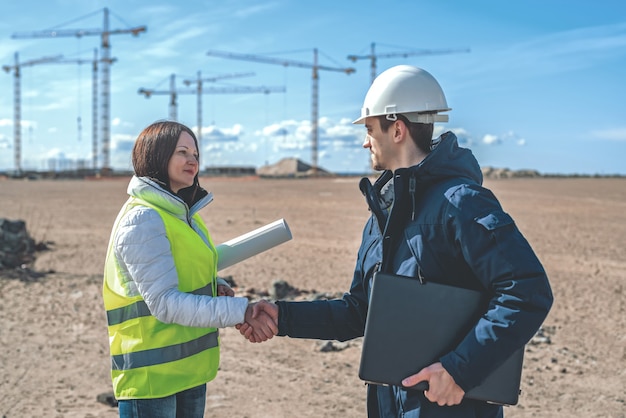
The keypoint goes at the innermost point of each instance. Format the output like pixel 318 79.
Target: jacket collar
pixel 149 190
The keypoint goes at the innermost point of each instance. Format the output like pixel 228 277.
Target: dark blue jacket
pixel 456 231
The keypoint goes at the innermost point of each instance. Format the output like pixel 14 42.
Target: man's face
pixel 379 144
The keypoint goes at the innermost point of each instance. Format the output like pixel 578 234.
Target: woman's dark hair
pixel 422 133
pixel 153 149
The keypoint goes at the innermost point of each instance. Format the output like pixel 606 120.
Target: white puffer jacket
pixel 143 252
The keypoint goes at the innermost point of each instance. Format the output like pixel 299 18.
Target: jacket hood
pixel 448 160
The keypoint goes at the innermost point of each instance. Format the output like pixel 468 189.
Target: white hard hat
pixel 405 90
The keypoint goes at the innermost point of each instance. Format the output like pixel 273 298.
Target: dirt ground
pixel 53 341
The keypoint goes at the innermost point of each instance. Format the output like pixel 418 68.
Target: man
pixel 431 218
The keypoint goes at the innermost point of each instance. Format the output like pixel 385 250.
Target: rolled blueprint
pixel 252 243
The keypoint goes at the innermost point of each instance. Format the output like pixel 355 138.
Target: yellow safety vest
pixel 151 359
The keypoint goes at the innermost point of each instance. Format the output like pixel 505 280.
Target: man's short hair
pixel 421 133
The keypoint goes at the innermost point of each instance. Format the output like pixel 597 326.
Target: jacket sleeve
pixel 339 319
pixel 144 254
pixel 504 262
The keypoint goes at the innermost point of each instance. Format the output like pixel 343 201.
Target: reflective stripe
pixel 206 290
pixel 162 355
pixel 139 308
pixel 135 310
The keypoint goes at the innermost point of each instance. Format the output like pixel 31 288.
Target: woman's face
pixel 183 165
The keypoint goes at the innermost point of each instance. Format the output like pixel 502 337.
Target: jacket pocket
pixel 495 220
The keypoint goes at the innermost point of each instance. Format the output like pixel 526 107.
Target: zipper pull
pixel 412 187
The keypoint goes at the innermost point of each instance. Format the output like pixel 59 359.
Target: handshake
pixel 261 321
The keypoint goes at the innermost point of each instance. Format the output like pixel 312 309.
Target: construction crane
pixel 199 82
pixel 58 59
pixel 94 100
pixel 373 57
pixel 173 93
pixel 17 103
pixel 105 46
pixel 315 86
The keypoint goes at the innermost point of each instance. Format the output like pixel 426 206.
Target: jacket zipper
pixel 412 187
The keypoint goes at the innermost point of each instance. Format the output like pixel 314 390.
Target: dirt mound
pixel 291 168
pixel 18 250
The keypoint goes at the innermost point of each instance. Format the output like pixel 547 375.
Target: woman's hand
pixel 224 290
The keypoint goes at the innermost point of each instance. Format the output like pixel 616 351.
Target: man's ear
pixel 399 131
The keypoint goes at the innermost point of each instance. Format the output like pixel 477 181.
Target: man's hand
pixel 261 322
pixel 442 390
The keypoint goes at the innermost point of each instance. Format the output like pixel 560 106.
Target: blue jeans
pixel 186 404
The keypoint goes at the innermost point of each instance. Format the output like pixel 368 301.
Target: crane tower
pixel 173 93
pixel 199 81
pixel 105 46
pixel 17 113
pixel 373 56
pixel 17 104
pixel 315 86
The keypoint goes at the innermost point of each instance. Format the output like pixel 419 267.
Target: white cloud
pixel 28 124
pixel 490 139
pixel 508 137
pixel 123 142
pixel 343 130
pixel 512 136
pixel 275 129
pixel 287 135
pixel 216 136
pixel 55 153
pixel 245 12
pixel 617 134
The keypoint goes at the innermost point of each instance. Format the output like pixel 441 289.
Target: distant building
pixel 229 171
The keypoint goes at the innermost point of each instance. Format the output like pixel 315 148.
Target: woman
pixel 161 295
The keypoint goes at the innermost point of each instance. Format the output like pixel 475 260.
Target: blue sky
pixel 542 87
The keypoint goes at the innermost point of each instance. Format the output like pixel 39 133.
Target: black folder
pixel 411 324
